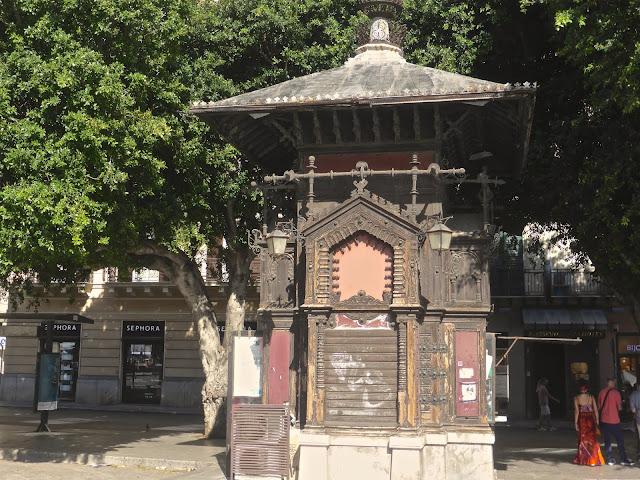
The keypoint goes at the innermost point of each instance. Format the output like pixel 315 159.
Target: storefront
pixel 143 360
pixel 564 364
pixel 66 342
pixel 627 362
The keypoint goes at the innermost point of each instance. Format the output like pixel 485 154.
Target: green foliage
pixel 447 34
pixel 97 152
pixel 257 43
pixel 584 151
pixel 602 38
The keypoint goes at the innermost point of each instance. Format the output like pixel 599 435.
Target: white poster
pixel 465 373
pixel 469 392
pixel 247 366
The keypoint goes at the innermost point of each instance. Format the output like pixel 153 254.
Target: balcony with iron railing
pixel 519 282
pixel 216 274
pixel 116 275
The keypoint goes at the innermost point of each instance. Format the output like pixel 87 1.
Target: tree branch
pixel 231 221
pixel 16 12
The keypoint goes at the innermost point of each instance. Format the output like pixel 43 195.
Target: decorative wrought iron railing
pixel 519 282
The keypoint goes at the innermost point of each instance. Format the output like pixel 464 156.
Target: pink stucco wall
pixel 362 266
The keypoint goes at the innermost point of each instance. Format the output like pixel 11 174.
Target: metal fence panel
pixel 260 440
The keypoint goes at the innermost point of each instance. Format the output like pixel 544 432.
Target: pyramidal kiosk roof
pixel 269 124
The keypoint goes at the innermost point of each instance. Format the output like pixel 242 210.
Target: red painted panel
pixel 279 368
pixel 467 374
pixel 377 161
pixel 381 321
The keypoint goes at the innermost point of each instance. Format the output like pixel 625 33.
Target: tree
pixel 581 176
pixel 100 164
pixel 103 166
pixel 451 35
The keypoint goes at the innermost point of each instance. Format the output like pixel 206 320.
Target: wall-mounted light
pixel 277 242
pixel 439 237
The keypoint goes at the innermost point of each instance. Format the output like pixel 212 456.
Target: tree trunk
pixel 635 309
pixel 239 268
pixel 185 274
pixel 212 355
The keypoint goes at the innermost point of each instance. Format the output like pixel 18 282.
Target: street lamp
pixel 277 242
pixel 439 237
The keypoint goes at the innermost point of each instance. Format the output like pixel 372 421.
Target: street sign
pixel 3 342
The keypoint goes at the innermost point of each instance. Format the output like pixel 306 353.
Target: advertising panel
pixel 247 366
pixel 49 368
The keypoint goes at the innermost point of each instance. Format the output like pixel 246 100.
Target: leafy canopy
pixel 582 172
pixel 98 152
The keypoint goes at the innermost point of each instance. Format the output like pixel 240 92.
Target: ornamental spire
pixel 381 28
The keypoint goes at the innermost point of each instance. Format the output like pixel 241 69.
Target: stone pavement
pixel 170 443
pixel 162 440
pixel 521 452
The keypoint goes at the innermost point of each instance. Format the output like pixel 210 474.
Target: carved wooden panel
pixel 360 374
pixel 277 289
pixel 466 277
pixel 431 372
pixel 380 222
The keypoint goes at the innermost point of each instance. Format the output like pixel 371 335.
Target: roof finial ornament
pixel 381 28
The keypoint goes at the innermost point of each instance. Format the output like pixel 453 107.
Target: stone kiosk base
pixel 452 454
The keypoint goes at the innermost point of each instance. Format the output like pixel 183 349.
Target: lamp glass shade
pixel 440 237
pixel 277 242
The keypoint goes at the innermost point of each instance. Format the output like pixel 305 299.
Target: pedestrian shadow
pixel 517 446
pixel 92 437
pixel 514 445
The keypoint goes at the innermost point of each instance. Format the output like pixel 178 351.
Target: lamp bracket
pixel 430 222
pixel 257 238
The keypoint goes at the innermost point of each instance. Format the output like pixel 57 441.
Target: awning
pixel 564 319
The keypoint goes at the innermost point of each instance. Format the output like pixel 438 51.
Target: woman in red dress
pixel 586 420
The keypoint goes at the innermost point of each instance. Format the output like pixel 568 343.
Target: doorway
pixel 547 360
pixel 142 376
pixel 142 361
pixel 69 356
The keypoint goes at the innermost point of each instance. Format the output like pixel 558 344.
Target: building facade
pixel 142 348
pixel 552 303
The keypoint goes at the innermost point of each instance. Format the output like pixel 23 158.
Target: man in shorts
pixel 543 401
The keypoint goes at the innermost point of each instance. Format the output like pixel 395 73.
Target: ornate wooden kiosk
pixel 375 338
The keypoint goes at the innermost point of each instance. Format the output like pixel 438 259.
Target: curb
pixel 25 455
pixel 116 408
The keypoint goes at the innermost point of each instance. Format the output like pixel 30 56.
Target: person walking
pixel 634 404
pixel 543 402
pixel 586 422
pixel 610 403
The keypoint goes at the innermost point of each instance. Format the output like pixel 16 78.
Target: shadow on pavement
pixel 524 452
pixel 87 436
